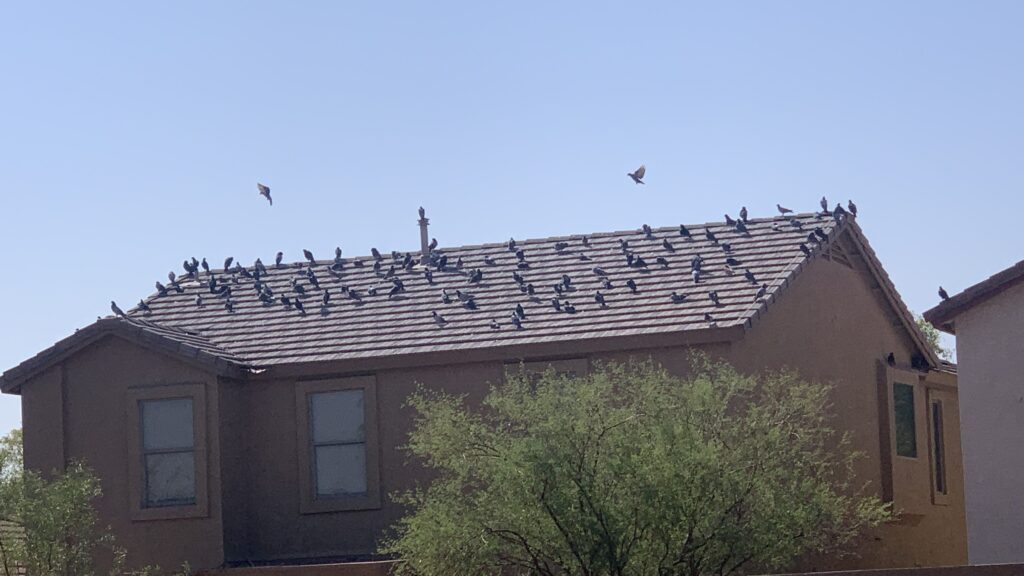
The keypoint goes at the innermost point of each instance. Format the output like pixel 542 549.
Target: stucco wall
pixel 990 353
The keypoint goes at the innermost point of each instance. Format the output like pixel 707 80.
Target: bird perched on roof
pixel 684 231
pixel 300 307
pixel 390 273
pixel 696 262
pixel 713 296
pixel 741 227
pixel 750 276
pixel 696 275
pixel 943 294
pixel 812 238
pixel 206 267
pixel 327 297
pixel 517 322
pixel 227 263
pixel 429 276
pixel 732 261
pixel 376 254
pixel 309 256
pixel 638 174
pixel 438 319
pixel 599 298
pixel 495 325
pixel 820 233
pixel 199 300
pixel 298 288
pixel 824 204
pixel 606 283
pixel 743 214
pixel 518 277
pixel 726 247
pixel 711 236
pixel 116 309
pixel 229 305
pixel 568 308
pixel 490 261
pixel 511 244
pixel 265 192
pixel 796 224
pixel 559 246
pixel 648 232
pixel 519 311
pixel 761 292
pixel 555 303
pixel 662 261
pixel 667 245
pixel 677 297
pixel 161 289
pixel 476 276
pixel 783 210
pixel 585 241
pixel 805 249
pixel 838 212
pixel 566 281
pixel 852 208
pixel 631 284
pixel 520 255
pixel 144 307
pixel 258 265
pixel 708 318
pixel 729 221
pixel 599 271
pixel 623 245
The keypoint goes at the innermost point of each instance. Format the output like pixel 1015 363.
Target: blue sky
pixel 132 135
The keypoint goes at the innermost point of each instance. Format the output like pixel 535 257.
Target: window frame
pixel 938 447
pixel 309 503
pixel 196 392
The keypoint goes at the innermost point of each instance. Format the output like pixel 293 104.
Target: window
pixel 167 466
pixel 903 409
pixel 337 444
pixel 938 449
pixel 168 452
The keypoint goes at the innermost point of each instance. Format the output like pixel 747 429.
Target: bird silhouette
pixel 662 261
pixel 713 296
pixel 309 256
pixel 852 207
pixel 517 322
pixel 599 298
pixel 743 214
pixel 667 245
pixel 422 212
pixel 438 319
pixel 943 294
pixel 711 236
pixel 555 303
pixel 299 306
pixel 783 210
pixel 265 192
pixel 890 359
pixel 495 325
pixel 144 307
pixel 729 221
pixel 632 285
pixel 684 231
pixel 677 297
pixel 824 204
pixel 559 246
pixel 116 309
pixel 519 311
pixel 761 292
pixel 206 267
pixel 750 276
pixel 227 263
pixel 638 175
pixel 805 249
pixel 161 289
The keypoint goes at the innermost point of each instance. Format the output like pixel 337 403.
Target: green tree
pixel 932 335
pixel 630 471
pixel 52 526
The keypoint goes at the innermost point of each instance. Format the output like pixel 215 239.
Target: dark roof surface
pixel 268 334
pixel 944 314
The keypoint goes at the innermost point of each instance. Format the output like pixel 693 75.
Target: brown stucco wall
pixel 828 324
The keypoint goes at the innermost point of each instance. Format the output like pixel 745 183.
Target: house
pixel 988 321
pixel 231 428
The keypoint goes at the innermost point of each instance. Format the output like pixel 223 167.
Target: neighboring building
pixel 260 434
pixel 988 321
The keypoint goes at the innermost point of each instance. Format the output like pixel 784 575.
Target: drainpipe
pixel 424 237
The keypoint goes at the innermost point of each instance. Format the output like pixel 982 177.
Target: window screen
pixel 168 452
pixel 903 407
pixel 337 426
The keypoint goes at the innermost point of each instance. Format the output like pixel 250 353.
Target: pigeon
pixel 327 297
pixel 852 208
pixel 529 289
pixel 648 232
pixel 662 261
pixel 229 305
pixel 559 246
pixel 227 263
pixel 511 244
pixel 599 298
pixel 171 277
pixel 677 297
pixel 696 262
pixel 711 236
pixel 161 289
pixel 839 212
pixel 199 300
pixel 299 289
pixel 300 307
pixel 623 245
pixel 805 249
pixel 890 359
pixel 311 277
pixel 476 276
pixel 518 277
pixel 729 221
pixel 750 276
pixel 632 285
pixel 726 247
pixel 743 214
pixel 812 238
pixel 943 294
pixel 520 255
pixel 265 192
pixel 390 273
pixel 713 296
pixel 585 241
pixel 555 303
pixel 206 267
pixel 708 318
pixel 438 319
pixel 824 204
pixel 761 292
pixel 732 261
pixel 396 289
pixel 490 261
pixel 783 210
pixel 668 245
pixel 116 309
pixel 354 294
pixel 606 283
pixel 258 265
pixel 309 256
pixel 520 312
pixel 741 227
pixel 517 322
pixel 796 223
pixel 144 307
pixel 376 254
pixel 683 231
pixel 599 271
pixel 429 276
pixel 638 175
pixel 568 308
pixel 433 245
pixel 566 281
pixel 696 276
pixel 820 233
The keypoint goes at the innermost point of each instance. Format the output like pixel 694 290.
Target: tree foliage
pixel 630 471
pixel 53 528
pixel 934 338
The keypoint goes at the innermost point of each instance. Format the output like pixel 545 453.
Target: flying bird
pixel 638 175
pixel 116 309
pixel 943 294
pixel 783 210
pixel 265 192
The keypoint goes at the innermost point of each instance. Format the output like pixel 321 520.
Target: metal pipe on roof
pixel 424 237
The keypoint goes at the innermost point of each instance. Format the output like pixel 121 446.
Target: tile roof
pixel 269 334
pixel 943 315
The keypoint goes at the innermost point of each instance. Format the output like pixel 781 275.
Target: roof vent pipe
pixel 424 242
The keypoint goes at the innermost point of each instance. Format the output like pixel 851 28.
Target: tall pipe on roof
pixel 424 237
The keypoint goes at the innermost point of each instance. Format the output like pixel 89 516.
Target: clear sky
pixel 132 135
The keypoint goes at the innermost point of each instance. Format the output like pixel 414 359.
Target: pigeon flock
pixel 710 274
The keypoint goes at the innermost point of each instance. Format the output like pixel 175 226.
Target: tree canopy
pixel 630 471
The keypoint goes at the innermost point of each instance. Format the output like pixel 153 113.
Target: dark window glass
pixel 168 452
pixel 939 445
pixel 903 406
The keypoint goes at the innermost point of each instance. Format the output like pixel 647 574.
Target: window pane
pixel 167 424
pixel 170 479
pixel 938 442
pixel 903 407
pixel 340 470
pixel 338 416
